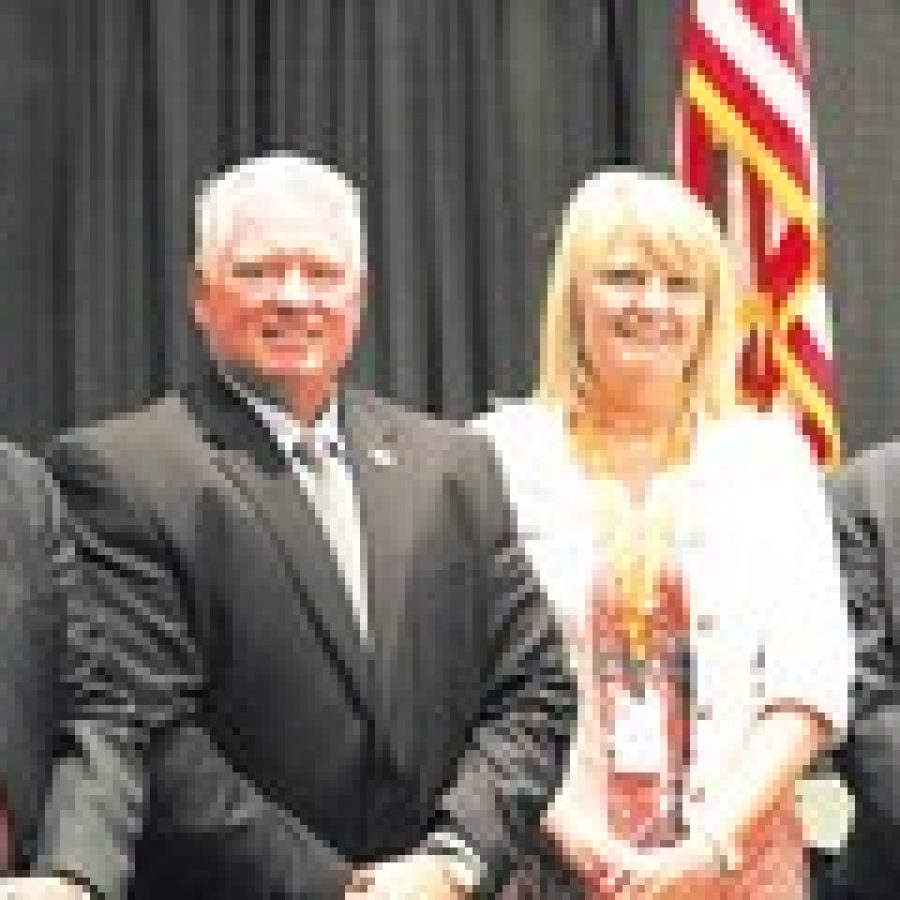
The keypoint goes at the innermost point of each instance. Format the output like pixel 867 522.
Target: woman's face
pixel 641 316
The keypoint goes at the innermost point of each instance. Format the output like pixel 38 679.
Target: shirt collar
pixel 324 434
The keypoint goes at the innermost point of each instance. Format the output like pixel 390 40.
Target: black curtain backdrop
pixel 465 122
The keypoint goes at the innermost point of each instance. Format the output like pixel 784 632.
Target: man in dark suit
pixel 867 511
pixel 313 661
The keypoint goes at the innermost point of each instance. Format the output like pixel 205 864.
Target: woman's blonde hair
pixel 655 210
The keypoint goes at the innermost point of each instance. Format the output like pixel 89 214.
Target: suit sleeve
pixel 128 670
pixel 133 677
pixel 793 534
pixel 871 754
pixel 224 821
pixel 34 559
pixel 518 746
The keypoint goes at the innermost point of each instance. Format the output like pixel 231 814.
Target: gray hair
pixel 262 183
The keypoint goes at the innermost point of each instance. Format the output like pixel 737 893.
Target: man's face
pixel 282 302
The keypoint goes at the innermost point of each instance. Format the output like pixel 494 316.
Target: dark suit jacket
pixel 867 509
pixel 219 652
pixel 35 560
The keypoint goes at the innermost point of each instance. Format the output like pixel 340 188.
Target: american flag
pixel 744 145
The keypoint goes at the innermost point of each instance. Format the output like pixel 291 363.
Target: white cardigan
pixel 754 539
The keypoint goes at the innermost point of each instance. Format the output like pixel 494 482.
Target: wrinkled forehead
pixel 257 218
pixel 319 230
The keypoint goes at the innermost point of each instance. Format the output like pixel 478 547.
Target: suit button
pixel 706 623
pixel 704 713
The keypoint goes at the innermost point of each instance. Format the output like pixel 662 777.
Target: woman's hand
pixel 687 871
pixel 580 837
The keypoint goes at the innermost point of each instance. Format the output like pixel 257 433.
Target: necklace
pixel 637 527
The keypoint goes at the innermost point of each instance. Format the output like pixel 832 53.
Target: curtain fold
pixel 465 123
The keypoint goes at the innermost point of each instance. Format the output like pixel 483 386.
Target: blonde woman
pixel 686 546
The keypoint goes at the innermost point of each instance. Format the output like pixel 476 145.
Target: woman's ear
pixel 702 372
pixel 579 353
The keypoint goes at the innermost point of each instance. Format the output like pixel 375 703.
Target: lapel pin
pixel 381 457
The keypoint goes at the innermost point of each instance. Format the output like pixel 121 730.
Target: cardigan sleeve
pixel 804 618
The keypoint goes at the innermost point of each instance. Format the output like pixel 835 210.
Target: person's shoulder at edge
pixel 761 464
pixel 515 414
pixel 529 439
pixel 883 457
pixel 447 443
pixel 396 418
pixel 764 442
pixel 27 492
pixel 524 429
pixel 741 433
pixel 147 454
pixel 137 421
pixel 19 469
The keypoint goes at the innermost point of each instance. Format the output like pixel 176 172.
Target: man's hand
pixel 41 889
pixel 418 876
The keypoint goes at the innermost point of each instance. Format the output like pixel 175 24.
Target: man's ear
pixel 198 293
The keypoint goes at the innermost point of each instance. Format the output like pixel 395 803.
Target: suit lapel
pixel 244 453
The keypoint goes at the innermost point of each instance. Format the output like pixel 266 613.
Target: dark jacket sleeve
pixel 133 677
pixel 871 755
pixel 250 844
pixel 129 671
pixel 34 563
pixel 518 746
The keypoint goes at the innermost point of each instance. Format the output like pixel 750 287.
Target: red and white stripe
pixel 746 94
